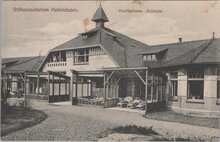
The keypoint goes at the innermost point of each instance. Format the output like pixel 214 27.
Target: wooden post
pixel 87 87
pixel 60 58
pixel 4 84
pixel 107 90
pixel 52 88
pixel 117 93
pixel 59 89
pixel 104 88
pixel 25 85
pixel 38 81
pixel 48 86
pixel 76 89
pixel 146 87
pixel 152 87
pixel 65 90
pixel 157 90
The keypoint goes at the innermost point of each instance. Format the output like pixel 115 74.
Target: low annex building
pixel 105 65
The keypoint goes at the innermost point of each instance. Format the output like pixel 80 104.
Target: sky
pixel 34 33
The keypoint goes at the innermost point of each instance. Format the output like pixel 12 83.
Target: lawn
pixel 16 119
pixel 170 116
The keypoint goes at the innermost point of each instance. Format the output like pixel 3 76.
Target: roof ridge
pixel 15 58
pixel 179 42
pixel 23 62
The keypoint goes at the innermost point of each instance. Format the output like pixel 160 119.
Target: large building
pixel 103 64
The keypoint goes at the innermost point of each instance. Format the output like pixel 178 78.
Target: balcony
pixel 56 64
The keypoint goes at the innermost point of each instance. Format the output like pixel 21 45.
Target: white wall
pixel 95 62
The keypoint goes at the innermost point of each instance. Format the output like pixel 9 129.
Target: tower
pixel 100 17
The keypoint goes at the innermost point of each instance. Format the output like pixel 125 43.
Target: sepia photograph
pixel 110 70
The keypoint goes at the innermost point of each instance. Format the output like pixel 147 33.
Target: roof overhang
pixel 154 52
pixel 14 71
pixel 124 68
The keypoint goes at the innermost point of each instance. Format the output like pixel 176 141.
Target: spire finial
pixel 100 17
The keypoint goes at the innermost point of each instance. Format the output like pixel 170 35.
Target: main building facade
pixel 103 63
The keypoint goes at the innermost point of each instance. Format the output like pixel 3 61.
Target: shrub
pixel 25 105
pixel 133 129
pixel 4 104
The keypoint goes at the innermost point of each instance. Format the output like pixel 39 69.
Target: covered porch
pixel 139 83
pixel 49 86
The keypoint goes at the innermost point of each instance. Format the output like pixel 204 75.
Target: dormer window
pixel 150 57
pixel 84 36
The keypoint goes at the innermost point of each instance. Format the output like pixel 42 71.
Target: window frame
pixel 149 57
pixel 174 83
pixel 193 76
pixel 77 55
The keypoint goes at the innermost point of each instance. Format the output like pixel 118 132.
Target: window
pixel 96 51
pixel 149 57
pixel 174 83
pixel 195 83
pixel 81 56
pixel 174 87
pixel 195 89
pixel 84 36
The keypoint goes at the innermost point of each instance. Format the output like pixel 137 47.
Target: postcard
pixel 103 70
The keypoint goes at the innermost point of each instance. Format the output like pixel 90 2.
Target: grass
pixel 15 119
pixel 170 116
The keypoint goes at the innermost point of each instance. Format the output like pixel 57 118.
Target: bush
pixel 133 129
pixel 4 104
pixel 25 105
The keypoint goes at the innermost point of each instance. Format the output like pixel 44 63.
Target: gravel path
pixel 66 122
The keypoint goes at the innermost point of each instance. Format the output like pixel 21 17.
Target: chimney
pixel 180 40
pixel 213 35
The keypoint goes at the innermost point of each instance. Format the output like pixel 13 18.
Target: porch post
pixel 71 86
pixel 76 90
pixel 117 90
pixel 157 89
pixel 152 88
pixel 104 87
pixel 4 84
pixel 52 88
pixel 48 86
pixel 146 87
pixel 59 89
pixel 25 85
pixel 38 80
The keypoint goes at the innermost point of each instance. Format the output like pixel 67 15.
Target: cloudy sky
pixel 29 33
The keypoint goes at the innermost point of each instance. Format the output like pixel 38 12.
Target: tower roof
pixel 100 15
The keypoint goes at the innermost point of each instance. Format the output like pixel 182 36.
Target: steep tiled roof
pixel 123 49
pixel 16 59
pixel 29 64
pixel 192 52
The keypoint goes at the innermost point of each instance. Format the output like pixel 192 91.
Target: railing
pixel 56 64
pixel 37 97
pixel 196 75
